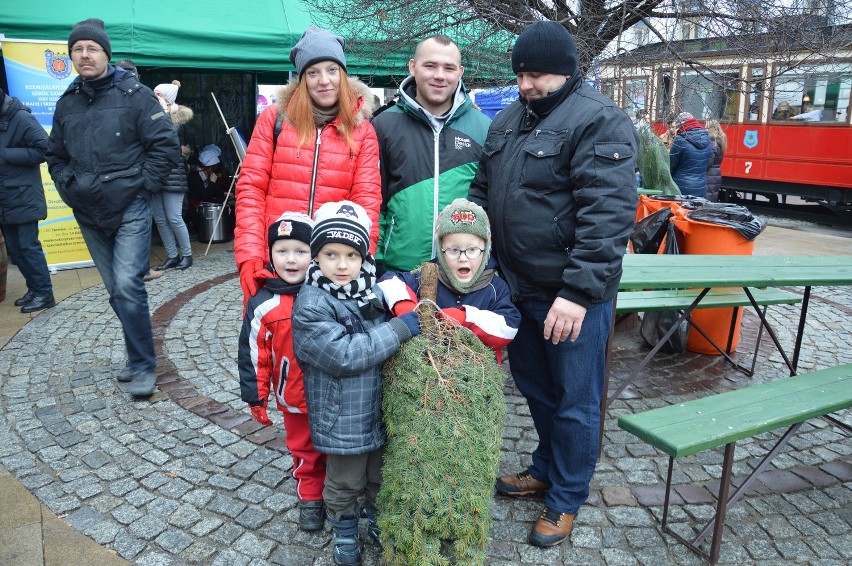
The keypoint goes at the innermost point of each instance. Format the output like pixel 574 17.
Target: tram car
pixel 787 122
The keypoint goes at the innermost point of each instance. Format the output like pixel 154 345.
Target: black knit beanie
pixel 92 29
pixel 545 47
pixel 290 226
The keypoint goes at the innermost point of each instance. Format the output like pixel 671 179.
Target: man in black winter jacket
pixel 23 143
pixel 557 180
pixel 111 147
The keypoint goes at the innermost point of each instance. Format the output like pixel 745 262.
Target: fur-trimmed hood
pixel 365 109
pixel 180 114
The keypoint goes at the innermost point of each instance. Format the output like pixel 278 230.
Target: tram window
pixel 819 95
pixel 709 97
pixel 755 94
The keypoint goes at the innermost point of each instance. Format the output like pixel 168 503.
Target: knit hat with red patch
pixel 291 226
pixel 463 217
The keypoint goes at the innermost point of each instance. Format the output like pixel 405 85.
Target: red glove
pixel 402 307
pixel 451 313
pixel 259 414
pixel 247 280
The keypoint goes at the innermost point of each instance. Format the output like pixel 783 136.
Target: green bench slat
pixel 646 301
pixel 709 422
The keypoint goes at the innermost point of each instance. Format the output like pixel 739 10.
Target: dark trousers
pixel 25 250
pixel 563 385
pixel 348 477
pixel 122 259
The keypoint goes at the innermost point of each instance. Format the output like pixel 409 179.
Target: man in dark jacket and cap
pixel 557 180
pixel 111 147
pixel 23 144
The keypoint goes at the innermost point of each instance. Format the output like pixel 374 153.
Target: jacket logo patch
pixel 285 228
pixel 463 217
pixel 462 143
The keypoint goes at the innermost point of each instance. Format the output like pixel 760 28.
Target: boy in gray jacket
pixel 341 336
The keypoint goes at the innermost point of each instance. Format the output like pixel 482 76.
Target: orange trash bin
pixel 712 239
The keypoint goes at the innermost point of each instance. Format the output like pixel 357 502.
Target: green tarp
pixel 214 34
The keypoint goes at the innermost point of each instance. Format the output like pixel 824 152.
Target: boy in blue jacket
pixel 342 337
pixel 469 290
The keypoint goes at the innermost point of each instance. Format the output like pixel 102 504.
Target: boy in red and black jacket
pixel 267 362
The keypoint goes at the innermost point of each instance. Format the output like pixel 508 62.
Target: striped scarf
pixel 360 288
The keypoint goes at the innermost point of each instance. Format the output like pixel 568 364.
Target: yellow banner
pixel 38 72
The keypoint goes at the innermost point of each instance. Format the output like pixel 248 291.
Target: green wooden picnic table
pixel 664 271
pixel 711 272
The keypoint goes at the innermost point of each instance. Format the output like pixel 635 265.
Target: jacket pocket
pixel 132 172
pixel 609 154
pixel 330 405
pixel 543 162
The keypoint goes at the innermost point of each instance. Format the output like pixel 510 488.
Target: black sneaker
pixel 311 515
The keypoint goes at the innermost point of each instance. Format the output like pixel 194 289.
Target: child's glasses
pixel 455 253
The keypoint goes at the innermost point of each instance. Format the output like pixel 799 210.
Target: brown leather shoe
pixel 520 485
pixel 551 528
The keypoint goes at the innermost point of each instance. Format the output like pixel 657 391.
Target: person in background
pixel 23 145
pixel 208 182
pixel 316 145
pixel 167 204
pixel 783 111
pixel 342 338
pixel 107 174
pixel 714 169
pixel 431 141
pixel 689 155
pixel 562 206
pixel 267 362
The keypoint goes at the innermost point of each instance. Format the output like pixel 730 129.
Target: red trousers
pixel 308 464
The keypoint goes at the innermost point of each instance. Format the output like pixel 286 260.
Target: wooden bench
pixel 718 420
pixel 686 300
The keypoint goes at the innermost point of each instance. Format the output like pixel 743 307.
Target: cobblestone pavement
pixel 189 478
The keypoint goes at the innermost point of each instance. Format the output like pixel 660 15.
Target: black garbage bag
pixel 655 324
pixel 686 201
pixel 649 232
pixel 735 216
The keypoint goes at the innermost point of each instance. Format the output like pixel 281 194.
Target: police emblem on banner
pixel 58 65
pixel 750 139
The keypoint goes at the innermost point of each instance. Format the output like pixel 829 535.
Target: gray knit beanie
pixel 92 29
pixel 316 45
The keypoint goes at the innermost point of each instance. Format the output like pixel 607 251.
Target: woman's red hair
pixel 301 111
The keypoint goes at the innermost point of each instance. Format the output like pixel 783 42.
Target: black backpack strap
pixel 276 131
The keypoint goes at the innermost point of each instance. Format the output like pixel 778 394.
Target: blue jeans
pixel 563 385
pixel 25 250
pixel 168 208
pixel 122 260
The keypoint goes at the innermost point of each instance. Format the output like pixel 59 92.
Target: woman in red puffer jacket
pixel 326 151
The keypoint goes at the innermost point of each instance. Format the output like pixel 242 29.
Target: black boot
pixel 39 303
pixel 347 549
pixel 28 296
pixel 185 262
pixel 169 263
pixel 311 515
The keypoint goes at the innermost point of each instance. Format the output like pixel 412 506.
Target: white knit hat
pixel 168 90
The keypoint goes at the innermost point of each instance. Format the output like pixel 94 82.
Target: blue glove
pixel 412 321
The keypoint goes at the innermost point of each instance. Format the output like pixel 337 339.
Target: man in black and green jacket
pixel 430 143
